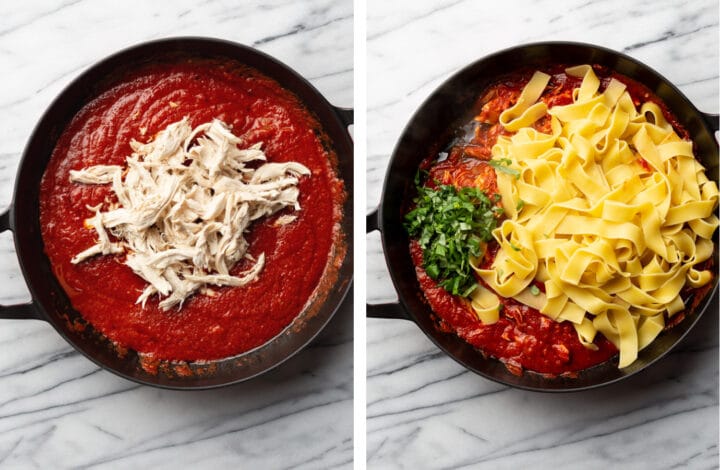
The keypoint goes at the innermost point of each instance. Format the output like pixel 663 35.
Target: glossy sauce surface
pixel 232 320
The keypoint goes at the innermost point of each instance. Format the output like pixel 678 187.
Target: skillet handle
pixel 392 310
pixel 346 115
pixel 713 120
pixel 372 221
pixel 19 311
pixel 5 220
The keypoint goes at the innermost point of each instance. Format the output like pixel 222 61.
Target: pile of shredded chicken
pixel 184 201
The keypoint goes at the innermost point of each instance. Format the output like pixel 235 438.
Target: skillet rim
pixel 399 279
pixel 132 55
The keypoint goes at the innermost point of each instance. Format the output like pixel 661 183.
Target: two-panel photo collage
pixel 359 234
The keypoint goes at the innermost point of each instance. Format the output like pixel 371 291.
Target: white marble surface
pixel 57 409
pixel 426 411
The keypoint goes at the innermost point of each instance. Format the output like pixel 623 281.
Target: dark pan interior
pixel 50 299
pixel 431 128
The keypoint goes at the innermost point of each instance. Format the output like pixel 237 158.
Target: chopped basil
pixel 503 165
pixel 534 290
pixel 451 226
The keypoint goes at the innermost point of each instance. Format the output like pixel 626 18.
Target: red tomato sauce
pixel 523 338
pixel 233 320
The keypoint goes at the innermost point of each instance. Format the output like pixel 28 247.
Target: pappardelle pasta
pixel 607 216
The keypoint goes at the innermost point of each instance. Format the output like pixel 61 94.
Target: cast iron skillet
pixel 431 128
pixel 49 301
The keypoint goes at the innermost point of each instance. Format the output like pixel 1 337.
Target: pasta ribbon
pixel 486 305
pixel 527 110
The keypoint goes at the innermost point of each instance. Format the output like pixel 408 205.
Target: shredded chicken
pixel 184 201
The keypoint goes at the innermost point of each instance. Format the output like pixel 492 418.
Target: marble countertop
pixel 426 411
pixel 59 410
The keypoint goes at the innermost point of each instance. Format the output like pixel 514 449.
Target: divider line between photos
pixel 360 135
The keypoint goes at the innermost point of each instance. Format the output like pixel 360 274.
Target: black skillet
pixel 432 127
pixel 49 301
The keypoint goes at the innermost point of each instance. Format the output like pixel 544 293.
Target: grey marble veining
pixel 59 410
pixel 426 411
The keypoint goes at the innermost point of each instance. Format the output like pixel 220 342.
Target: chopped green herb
pixel 534 290
pixel 512 245
pixel 520 205
pixel 451 225
pixel 503 165
pixel 419 176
